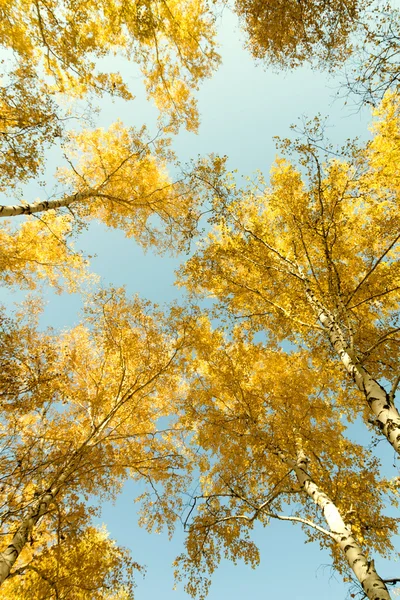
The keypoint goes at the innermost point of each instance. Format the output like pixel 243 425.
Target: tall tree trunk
pixel 373 586
pixel 386 414
pixel 43 503
pixel 21 536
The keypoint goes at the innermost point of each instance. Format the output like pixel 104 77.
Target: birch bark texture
pixel 10 555
pixel 378 399
pixel 13 210
pixel 364 569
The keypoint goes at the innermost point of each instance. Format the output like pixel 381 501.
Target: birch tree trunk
pixel 373 586
pixel 40 508
pixel 12 210
pixel 21 536
pixel 387 415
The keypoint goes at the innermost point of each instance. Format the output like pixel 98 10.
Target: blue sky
pixel 242 107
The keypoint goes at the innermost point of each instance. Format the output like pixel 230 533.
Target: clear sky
pixel 242 107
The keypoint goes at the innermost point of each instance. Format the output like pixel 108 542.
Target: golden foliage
pixel 51 60
pixel 75 561
pixel 53 52
pixel 52 49
pixel 81 413
pixel 128 186
pixel 320 239
pixel 29 125
pixel 40 249
pixel 86 409
pixel 248 407
pixel 289 32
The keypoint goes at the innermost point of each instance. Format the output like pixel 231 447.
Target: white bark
pixel 40 507
pixel 363 569
pixel 12 210
pixel 386 414
pixel 21 536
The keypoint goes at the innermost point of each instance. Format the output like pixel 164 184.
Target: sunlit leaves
pixel 288 32
pixel 83 411
pixel 41 249
pixel 334 231
pixel 125 177
pixel 73 561
pixel 51 59
pixel 250 406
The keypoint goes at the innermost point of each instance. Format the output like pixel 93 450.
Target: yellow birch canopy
pixel 81 413
pixel 287 33
pixel 52 51
pixel 250 407
pixel 322 238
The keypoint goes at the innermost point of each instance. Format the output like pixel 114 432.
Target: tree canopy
pixel 314 260
pixel 80 415
pixel 54 49
pixel 262 420
pixel 226 413
pixel 288 33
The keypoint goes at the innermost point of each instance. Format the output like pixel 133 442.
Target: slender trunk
pixel 21 536
pixel 363 569
pixel 12 210
pixel 386 414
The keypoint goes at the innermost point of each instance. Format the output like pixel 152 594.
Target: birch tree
pixel 313 259
pixel 75 560
pixel 80 414
pixel 261 423
pixel 54 73
pixel 120 177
